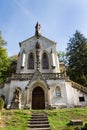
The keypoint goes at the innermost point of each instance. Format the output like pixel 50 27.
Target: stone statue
pixel 16 99
pixel 37 31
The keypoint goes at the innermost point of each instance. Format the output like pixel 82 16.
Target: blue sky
pixel 59 19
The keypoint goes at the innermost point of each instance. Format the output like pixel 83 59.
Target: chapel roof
pixel 37 35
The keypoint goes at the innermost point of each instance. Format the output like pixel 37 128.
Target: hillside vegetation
pixel 59 119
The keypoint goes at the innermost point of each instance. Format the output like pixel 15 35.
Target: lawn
pixel 14 119
pixel 59 119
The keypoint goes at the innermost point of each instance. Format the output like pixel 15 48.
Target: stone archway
pixel 38 98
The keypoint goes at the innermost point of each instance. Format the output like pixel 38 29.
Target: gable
pixel 30 43
pixel 37 77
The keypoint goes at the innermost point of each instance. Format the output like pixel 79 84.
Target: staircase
pixel 38 122
pixel 79 87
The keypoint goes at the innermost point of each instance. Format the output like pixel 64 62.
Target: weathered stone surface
pixel 16 100
pixel 76 122
pixel 39 122
pixel 50 79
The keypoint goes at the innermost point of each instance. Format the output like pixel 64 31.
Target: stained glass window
pixel 45 62
pixel 31 61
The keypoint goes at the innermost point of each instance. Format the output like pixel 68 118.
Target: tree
pixel 4 61
pixel 1 103
pixel 77 58
pixel 13 63
pixel 2 42
pixel 62 56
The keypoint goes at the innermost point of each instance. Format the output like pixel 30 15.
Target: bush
pixel 1 103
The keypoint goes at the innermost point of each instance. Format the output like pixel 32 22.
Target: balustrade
pixel 46 76
pixel 79 87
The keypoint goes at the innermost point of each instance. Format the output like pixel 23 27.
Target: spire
pixel 37 30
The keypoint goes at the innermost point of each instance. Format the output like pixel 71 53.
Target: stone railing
pixel 79 87
pixel 22 76
pixel 54 76
pixel 46 76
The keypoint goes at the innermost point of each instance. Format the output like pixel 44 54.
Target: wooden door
pixel 38 101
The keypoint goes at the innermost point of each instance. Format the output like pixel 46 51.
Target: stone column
pixel 38 55
pixel 52 61
pixel 27 97
pixel 49 100
pixel 30 99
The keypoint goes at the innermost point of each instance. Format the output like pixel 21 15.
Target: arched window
pixel 57 91
pixel 45 62
pixel 31 61
pixel 23 59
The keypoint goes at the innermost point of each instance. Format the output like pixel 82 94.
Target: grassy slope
pixel 15 119
pixel 59 119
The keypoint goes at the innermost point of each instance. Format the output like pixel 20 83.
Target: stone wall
pixel 47 46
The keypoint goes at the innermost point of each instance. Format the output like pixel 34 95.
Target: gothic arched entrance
pixel 38 99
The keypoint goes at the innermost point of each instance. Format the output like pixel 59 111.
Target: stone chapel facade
pixel 40 81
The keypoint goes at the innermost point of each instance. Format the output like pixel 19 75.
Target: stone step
pixel 39 116
pixel 39 122
pixel 45 118
pixel 48 128
pixel 38 119
pixel 38 125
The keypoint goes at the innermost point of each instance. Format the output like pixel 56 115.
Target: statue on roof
pixel 37 30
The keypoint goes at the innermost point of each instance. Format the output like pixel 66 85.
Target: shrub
pixel 1 103
pixel 0 118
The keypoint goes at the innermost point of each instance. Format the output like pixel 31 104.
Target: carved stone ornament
pixel 38 55
pixel 37 45
pixel 37 30
pixel 38 76
pixel 15 104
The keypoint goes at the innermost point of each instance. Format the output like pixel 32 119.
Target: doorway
pixel 38 99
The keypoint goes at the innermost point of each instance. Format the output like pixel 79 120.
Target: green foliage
pixel 15 119
pixel 77 58
pixel 14 58
pixel 2 42
pixel 62 56
pixel 58 119
pixel 4 61
pixel 1 103
pixel 4 65
pixel 13 63
pixel 0 114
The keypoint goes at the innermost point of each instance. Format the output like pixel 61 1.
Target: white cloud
pixel 24 9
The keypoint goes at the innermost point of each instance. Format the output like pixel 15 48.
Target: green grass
pixel 0 114
pixel 15 119
pixel 58 119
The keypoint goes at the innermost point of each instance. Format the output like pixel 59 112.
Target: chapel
pixel 40 81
